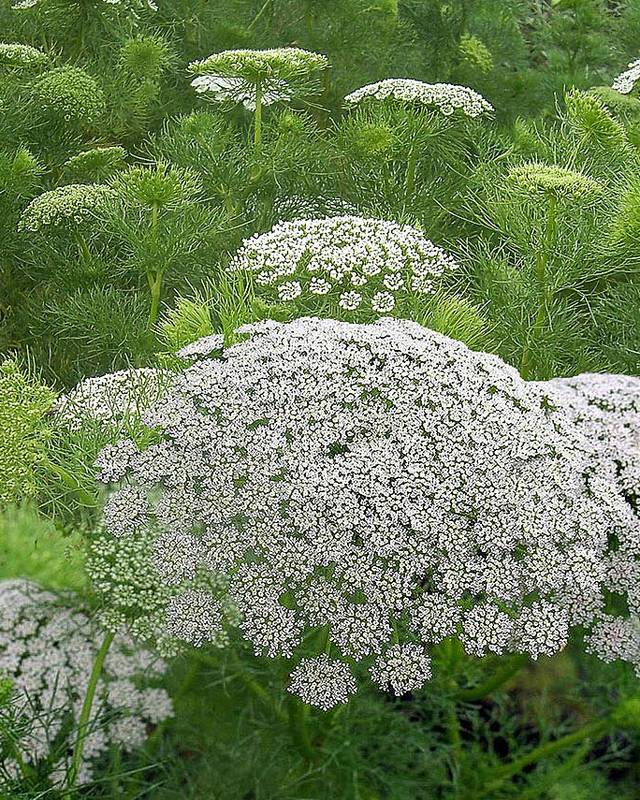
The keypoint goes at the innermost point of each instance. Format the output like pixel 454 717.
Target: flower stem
pixel 299 728
pixel 544 291
pixel 498 679
pixel 410 179
pixel 155 284
pixel 85 714
pixel 83 248
pixel 506 771
pixel 257 17
pixel 257 119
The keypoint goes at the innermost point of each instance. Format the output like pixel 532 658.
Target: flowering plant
pixel 343 265
pixel 377 487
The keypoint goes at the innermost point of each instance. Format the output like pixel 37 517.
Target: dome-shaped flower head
pixel 343 264
pixel 47 650
pixel 626 81
pixel 96 164
pixel 447 98
pixel 395 486
pixel 535 179
pixel 70 206
pixel 159 186
pixel 21 56
pixel 241 76
pixel 69 95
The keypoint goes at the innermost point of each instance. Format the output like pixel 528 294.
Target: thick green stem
pixel 544 292
pixel 257 119
pixel 498 679
pixel 503 773
pixel 299 728
pixel 85 713
pixel 83 248
pixel 155 285
pixel 410 179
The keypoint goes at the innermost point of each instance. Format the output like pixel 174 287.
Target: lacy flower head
pixel 112 398
pixel 447 98
pixel 626 81
pixel 344 265
pixel 47 649
pixel 605 411
pixel 67 206
pixel 239 76
pixel 129 5
pixel 21 56
pixel 372 488
pixel 68 94
pixel 547 180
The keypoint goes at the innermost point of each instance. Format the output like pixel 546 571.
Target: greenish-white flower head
pixel 537 179
pixel 626 81
pixel 70 95
pixel 65 206
pixel 95 165
pixel 447 98
pixel 238 76
pixel 347 265
pixel 158 186
pixel 24 406
pixel 21 56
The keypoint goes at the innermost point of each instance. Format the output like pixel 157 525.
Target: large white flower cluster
pixel 446 97
pixel 625 82
pixel 381 484
pixel 343 263
pixel 238 76
pixel 47 650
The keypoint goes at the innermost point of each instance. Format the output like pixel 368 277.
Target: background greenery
pixel 75 303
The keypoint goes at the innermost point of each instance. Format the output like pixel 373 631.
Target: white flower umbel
pixel 343 263
pixel 112 398
pixel 447 98
pixel 360 478
pixel 47 650
pixel 130 5
pixel 626 81
pixel 21 56
pixel 258 78
pixel 252 76
pixel 67 205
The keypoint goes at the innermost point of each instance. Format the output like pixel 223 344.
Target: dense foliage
pixel 281 547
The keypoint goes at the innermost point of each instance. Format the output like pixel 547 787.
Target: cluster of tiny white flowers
pixel 130 4
pixel 322 682
pixel 111 398
pixel 394 485
pixel 14 54
pixel 446 97
pixel 344 262
pixel 71 204
pixel 47 650
pixel 625 82
pixel 278 74
pixel 605 410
